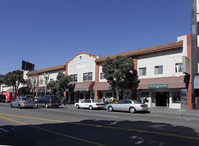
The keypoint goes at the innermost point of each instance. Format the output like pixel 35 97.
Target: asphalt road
pixel 69 126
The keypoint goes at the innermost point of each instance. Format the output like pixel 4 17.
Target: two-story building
pixel 81 70
pixel 38 80
pixel 164 74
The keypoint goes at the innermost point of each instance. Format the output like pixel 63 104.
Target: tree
pixel 119 72
pixel 59 86
pixel 14 79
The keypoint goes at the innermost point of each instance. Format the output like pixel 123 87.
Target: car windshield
pixel 26 99
pixel 136 102
pixel 54 98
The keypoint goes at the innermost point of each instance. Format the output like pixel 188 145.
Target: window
pixel 158 69
pixel 73 78
pixel 41 81
pixel 87 76
pixel 176 97
pixel 51 80
pixel 142 71
pixel 178 67
pixel 102 76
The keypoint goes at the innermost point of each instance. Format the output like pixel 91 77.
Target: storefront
pixel 163 92
pixel 79 91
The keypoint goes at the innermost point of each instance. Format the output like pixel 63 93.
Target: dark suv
pixel 48 101
pixel 2 98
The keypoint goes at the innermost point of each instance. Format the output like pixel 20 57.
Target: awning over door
pixel 84 86
pixel 196 82
pixel 101 86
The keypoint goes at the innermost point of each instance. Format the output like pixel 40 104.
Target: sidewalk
pixel 163 110
pixel 176 112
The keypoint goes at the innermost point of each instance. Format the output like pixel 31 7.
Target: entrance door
pixel 161 98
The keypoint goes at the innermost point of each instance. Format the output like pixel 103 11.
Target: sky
pixel 49 33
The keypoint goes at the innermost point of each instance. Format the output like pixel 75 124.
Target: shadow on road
pixel 96 132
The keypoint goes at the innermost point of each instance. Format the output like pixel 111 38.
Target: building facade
pixel 164 74
pixel 195 52
pixel 37 80
pixel 81 70
pixel 163 78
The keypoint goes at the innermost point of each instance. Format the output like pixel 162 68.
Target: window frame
pixel 143 71
pixel 179 67
pixel 73 78
pixel 160 70
pixel 88 76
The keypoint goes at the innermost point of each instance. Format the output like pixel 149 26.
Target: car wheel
pixel 132 110
pixel 11 106
pixel 57 106
pixel 19 106
pixel 46 105
pixel 110 108
pixel 77 106
pixel 90 107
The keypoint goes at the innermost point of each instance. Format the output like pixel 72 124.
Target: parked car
pixel 22 102
pixel 127 105
pixel 48 101
pixel 2 98
pixel 89 103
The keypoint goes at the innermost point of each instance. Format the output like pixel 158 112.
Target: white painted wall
pixel 82 63
pixel 168 59
pixel 100 71
pixel 197 9
pixel 52 75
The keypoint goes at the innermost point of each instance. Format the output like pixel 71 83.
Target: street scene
pixel 98 72
pixel 70 126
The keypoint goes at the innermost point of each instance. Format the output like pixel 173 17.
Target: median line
pixel 50 131
pixel 111 127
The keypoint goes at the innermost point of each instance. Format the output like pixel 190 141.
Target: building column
pixel 37 86
pixel 150 100
pixel 170 99
pixel 96 95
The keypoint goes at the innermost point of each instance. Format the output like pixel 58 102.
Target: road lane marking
pixel 4 130
pixel 54 132
pixel 111 127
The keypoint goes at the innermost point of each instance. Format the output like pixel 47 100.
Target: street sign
pixel 158 86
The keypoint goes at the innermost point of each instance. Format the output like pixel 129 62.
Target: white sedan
pixel 89 103
pixel 127 105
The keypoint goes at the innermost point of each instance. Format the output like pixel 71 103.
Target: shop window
pixel 142 71
pixel 41 81
pixel 176 97
pixel 108 95
pixel 87 76
pixel 73 78
pixel 102 76
pixel 178 67
pixel 158 69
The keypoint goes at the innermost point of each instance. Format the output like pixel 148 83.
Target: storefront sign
pixel 81 89
pixel 158 86
pixel 186 65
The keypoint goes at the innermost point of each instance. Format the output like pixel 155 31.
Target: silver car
pixel 22 102
pixel 127 105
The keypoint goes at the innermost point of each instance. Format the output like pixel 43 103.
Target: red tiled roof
pixel 166 47
pixel 46 70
